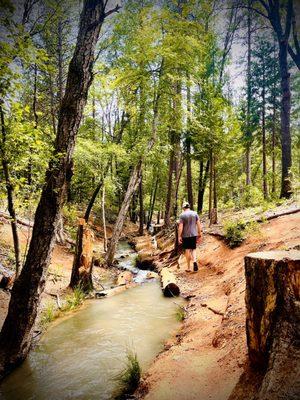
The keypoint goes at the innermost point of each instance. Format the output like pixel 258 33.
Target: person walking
pixel 189 234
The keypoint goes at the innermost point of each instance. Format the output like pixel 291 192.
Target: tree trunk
pixel 189 180
pixel 214 211
pixel 210 198
pixel 286 153
pixel 248 132
pixel 82 265
pixel 141 227
pixel 273 150
pixel 132 186
pixel 60 61
pixel 264 146
pixel 133 209
pixel 78 279
pixel 158 217
pixel 169 190
pixel 168 283
pixel 202 185
pixel 104 219
pixel 17 330
pixel 10 195
pixel 152 204
pixel 92 201
pixel 273 321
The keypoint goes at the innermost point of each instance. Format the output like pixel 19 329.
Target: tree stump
pixel 83 258
pixel 273 321
pixel 168 282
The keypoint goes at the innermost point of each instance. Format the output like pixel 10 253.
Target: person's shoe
pixel 195 267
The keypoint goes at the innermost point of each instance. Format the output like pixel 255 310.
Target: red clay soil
pixel 206 359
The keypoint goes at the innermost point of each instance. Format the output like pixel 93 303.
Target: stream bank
pixel 79 356
pixel 206 359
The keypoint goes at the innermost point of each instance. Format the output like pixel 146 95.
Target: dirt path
pixel 207 357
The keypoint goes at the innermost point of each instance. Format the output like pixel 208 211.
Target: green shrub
pixel 128 379
pixel 235 232
pixel 250 197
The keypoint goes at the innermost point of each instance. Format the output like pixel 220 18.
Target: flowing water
pixel 79 356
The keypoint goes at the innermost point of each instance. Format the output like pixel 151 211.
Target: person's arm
pixel 180 229
pixel 199 237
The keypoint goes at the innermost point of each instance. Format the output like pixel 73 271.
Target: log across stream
pixel 78 357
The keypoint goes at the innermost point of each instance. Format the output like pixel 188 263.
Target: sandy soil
pixel 207 357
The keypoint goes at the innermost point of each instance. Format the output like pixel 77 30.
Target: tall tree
pixel 17 330
pixel 281 15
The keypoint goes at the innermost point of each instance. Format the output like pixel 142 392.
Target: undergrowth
pixel 180 314
pixel 74 300
pixel 236 231
pixel 49 314
pixel 50 311
pixel 128 379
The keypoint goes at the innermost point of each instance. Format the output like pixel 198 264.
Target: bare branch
pixel 255 10
pixel 113 10
pixel 295 56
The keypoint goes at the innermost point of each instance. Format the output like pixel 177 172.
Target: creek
pixel 78 357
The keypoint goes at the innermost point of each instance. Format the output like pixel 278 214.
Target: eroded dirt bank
pixel 206 359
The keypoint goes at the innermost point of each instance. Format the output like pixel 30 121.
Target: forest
pixel 113 115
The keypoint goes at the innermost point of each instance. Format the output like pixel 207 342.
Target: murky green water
pixel 77 358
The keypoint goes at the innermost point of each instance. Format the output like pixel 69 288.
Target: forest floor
pixel 207 357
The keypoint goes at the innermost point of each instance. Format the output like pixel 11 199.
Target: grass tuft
pixel 48 314
pixel 128 379
pixel 180 314
pixel 74 300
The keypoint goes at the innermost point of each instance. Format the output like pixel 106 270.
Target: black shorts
pixel 189 242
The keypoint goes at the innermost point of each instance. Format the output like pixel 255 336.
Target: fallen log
pixel 273 321
pixel 168 282
pixel 114 291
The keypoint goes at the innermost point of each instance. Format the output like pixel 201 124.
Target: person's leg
pixel 188 258
pixel 194 255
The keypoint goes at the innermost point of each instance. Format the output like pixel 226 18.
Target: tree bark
pixel 169 284
pixel 189 180
pixel 273 149
pixel 92 201
pixel 202 184
pixel 132 186
pixel 82 265
pixel 168 206
pixel 78 279
pixel 141 211
pixel 264 146
pixel 17 330
pixel 273 321
pixel 213 216
pixel 152 203
pixel 248 132
pixel 104 219
pixel 286 152
pixel 10 195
